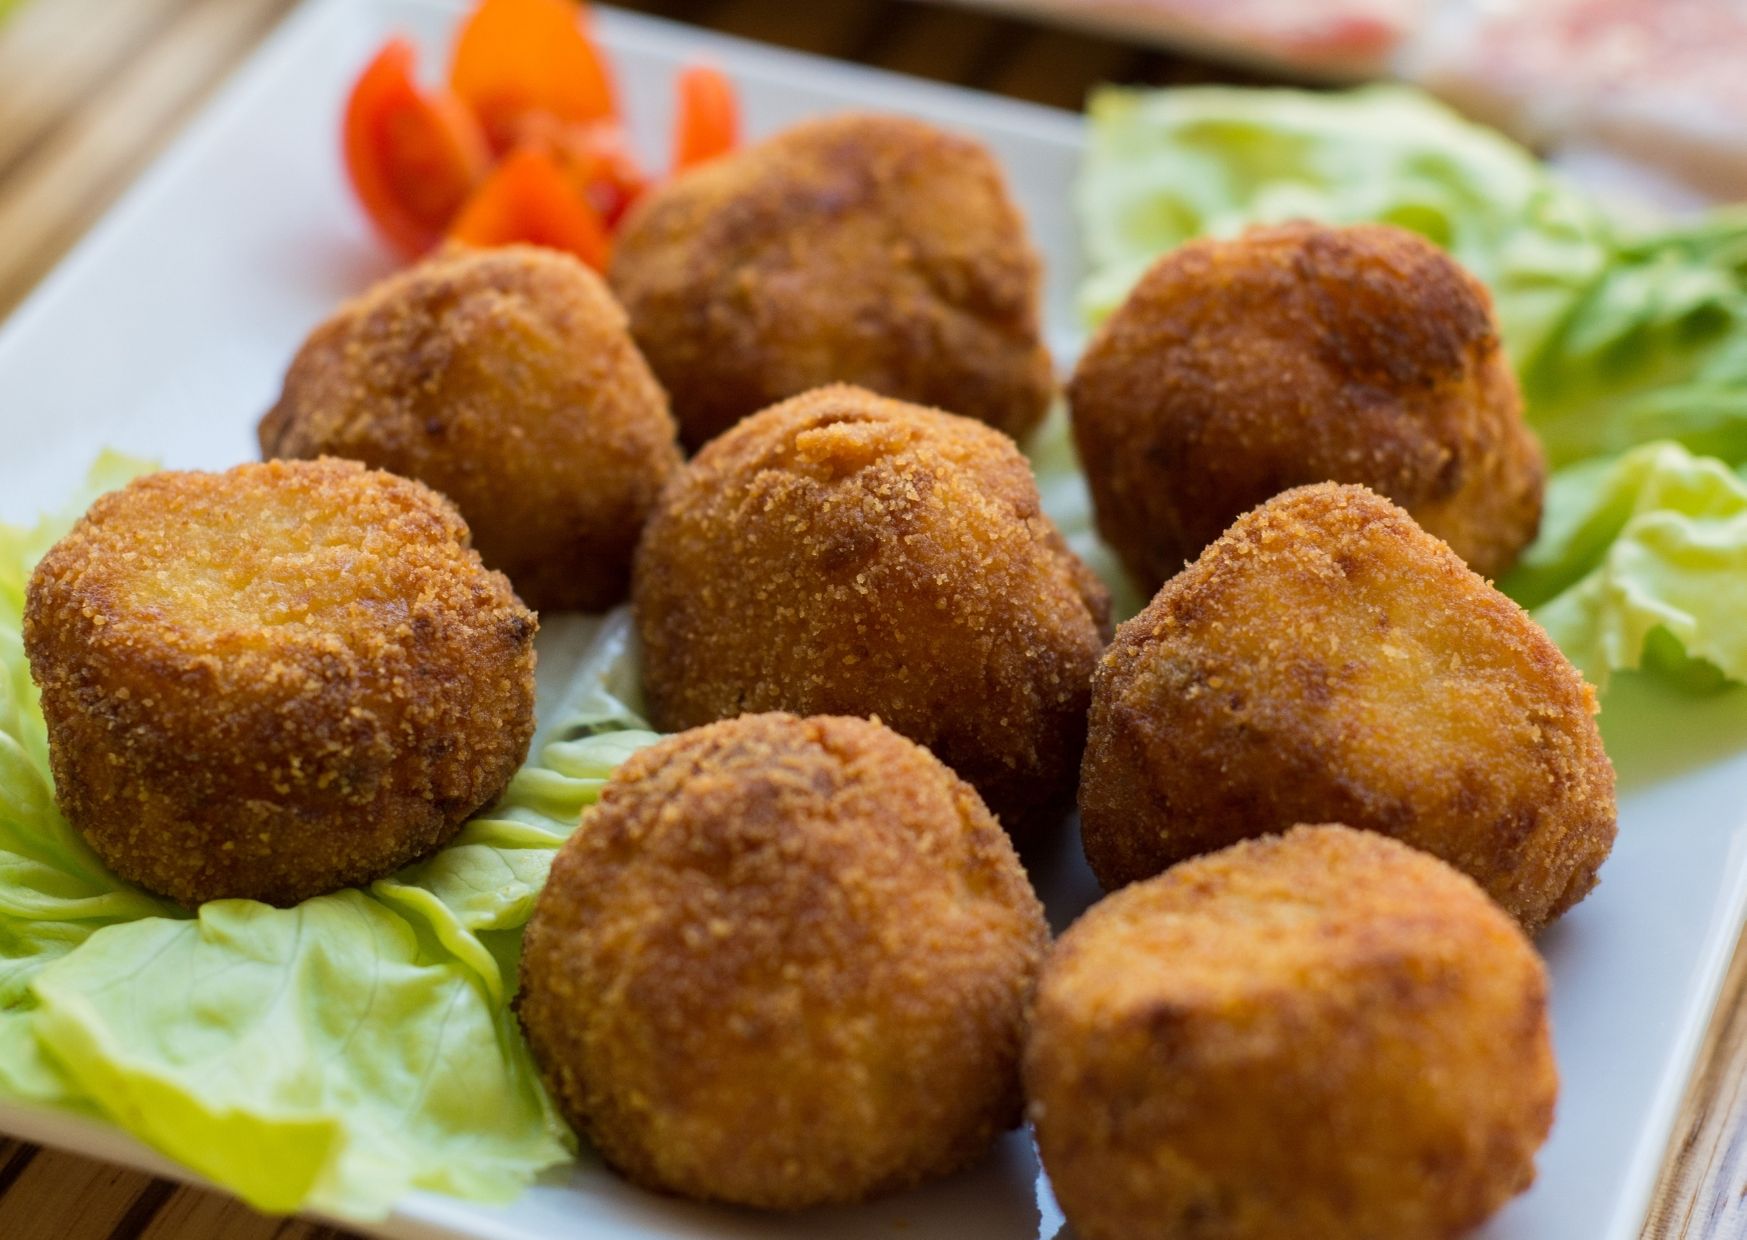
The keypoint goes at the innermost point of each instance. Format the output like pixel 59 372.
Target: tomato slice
pixel 514 57
pixel 526 83
pixel 595 158
pixel 709 117
pixel 413 157
pixel 527 198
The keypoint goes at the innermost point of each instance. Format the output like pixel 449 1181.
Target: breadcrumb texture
pixel 1325 1035
pixel 864 249
pixel 1298 354
pixel 846 554
pixel 784 962
pixel 275 681
pixel 1328 660
pixel 506 379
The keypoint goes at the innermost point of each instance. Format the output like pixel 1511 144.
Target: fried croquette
pixel 1299 354
pixel 1329 661
pixel 784 962
pixel 842 553
pixel 873 250
pixel 275 681
pixel 507 380
pixel 1322 1036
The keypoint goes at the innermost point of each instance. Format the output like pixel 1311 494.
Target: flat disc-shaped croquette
pixel 507 380
pixel 1329 661
pixel 784 962
pixel 874 250
pixel 1297 354
pixel 845 554
pixel 1320 1036
pixel 275 681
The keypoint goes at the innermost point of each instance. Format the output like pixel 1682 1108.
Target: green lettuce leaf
pixel 333 1055
pixel 1642 561
pixel 321 1054
pixel 1655 349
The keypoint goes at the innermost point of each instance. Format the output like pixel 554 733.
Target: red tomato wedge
pixel 413 157
pixel 528 198
pixel 594 157
pixel 525 145
pixel 709 117
pixel 514 57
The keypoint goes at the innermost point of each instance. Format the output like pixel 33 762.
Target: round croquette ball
pixel 507 380
pixel 1298 354
pixel 784 962
pixel 846 554
pixel 1329 661
pixel 873 250
pixel 1325 1035
pixel 276 681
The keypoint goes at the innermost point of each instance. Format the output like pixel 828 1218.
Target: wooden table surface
pixel 91 90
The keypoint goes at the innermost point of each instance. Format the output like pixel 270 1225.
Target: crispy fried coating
pixel 275 681
pixel 1328 660
pixel 874 250
pixel 842 553
pixel 784 962
pixel 507 380
pixel 1299 354
pixel 1323 1036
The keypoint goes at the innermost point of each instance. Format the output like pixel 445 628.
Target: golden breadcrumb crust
pixel 507 380
pixel 1328 660
pixel 842 553
pixel 1325 1035
pixel 275 681
pixel 1300 354
pixel 784 962
pixel 874 250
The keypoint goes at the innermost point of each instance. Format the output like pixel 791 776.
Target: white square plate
pixel 167 331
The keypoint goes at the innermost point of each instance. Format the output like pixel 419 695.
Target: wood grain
pixel 1702 1194
pixel 58 183
pixel 90 90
